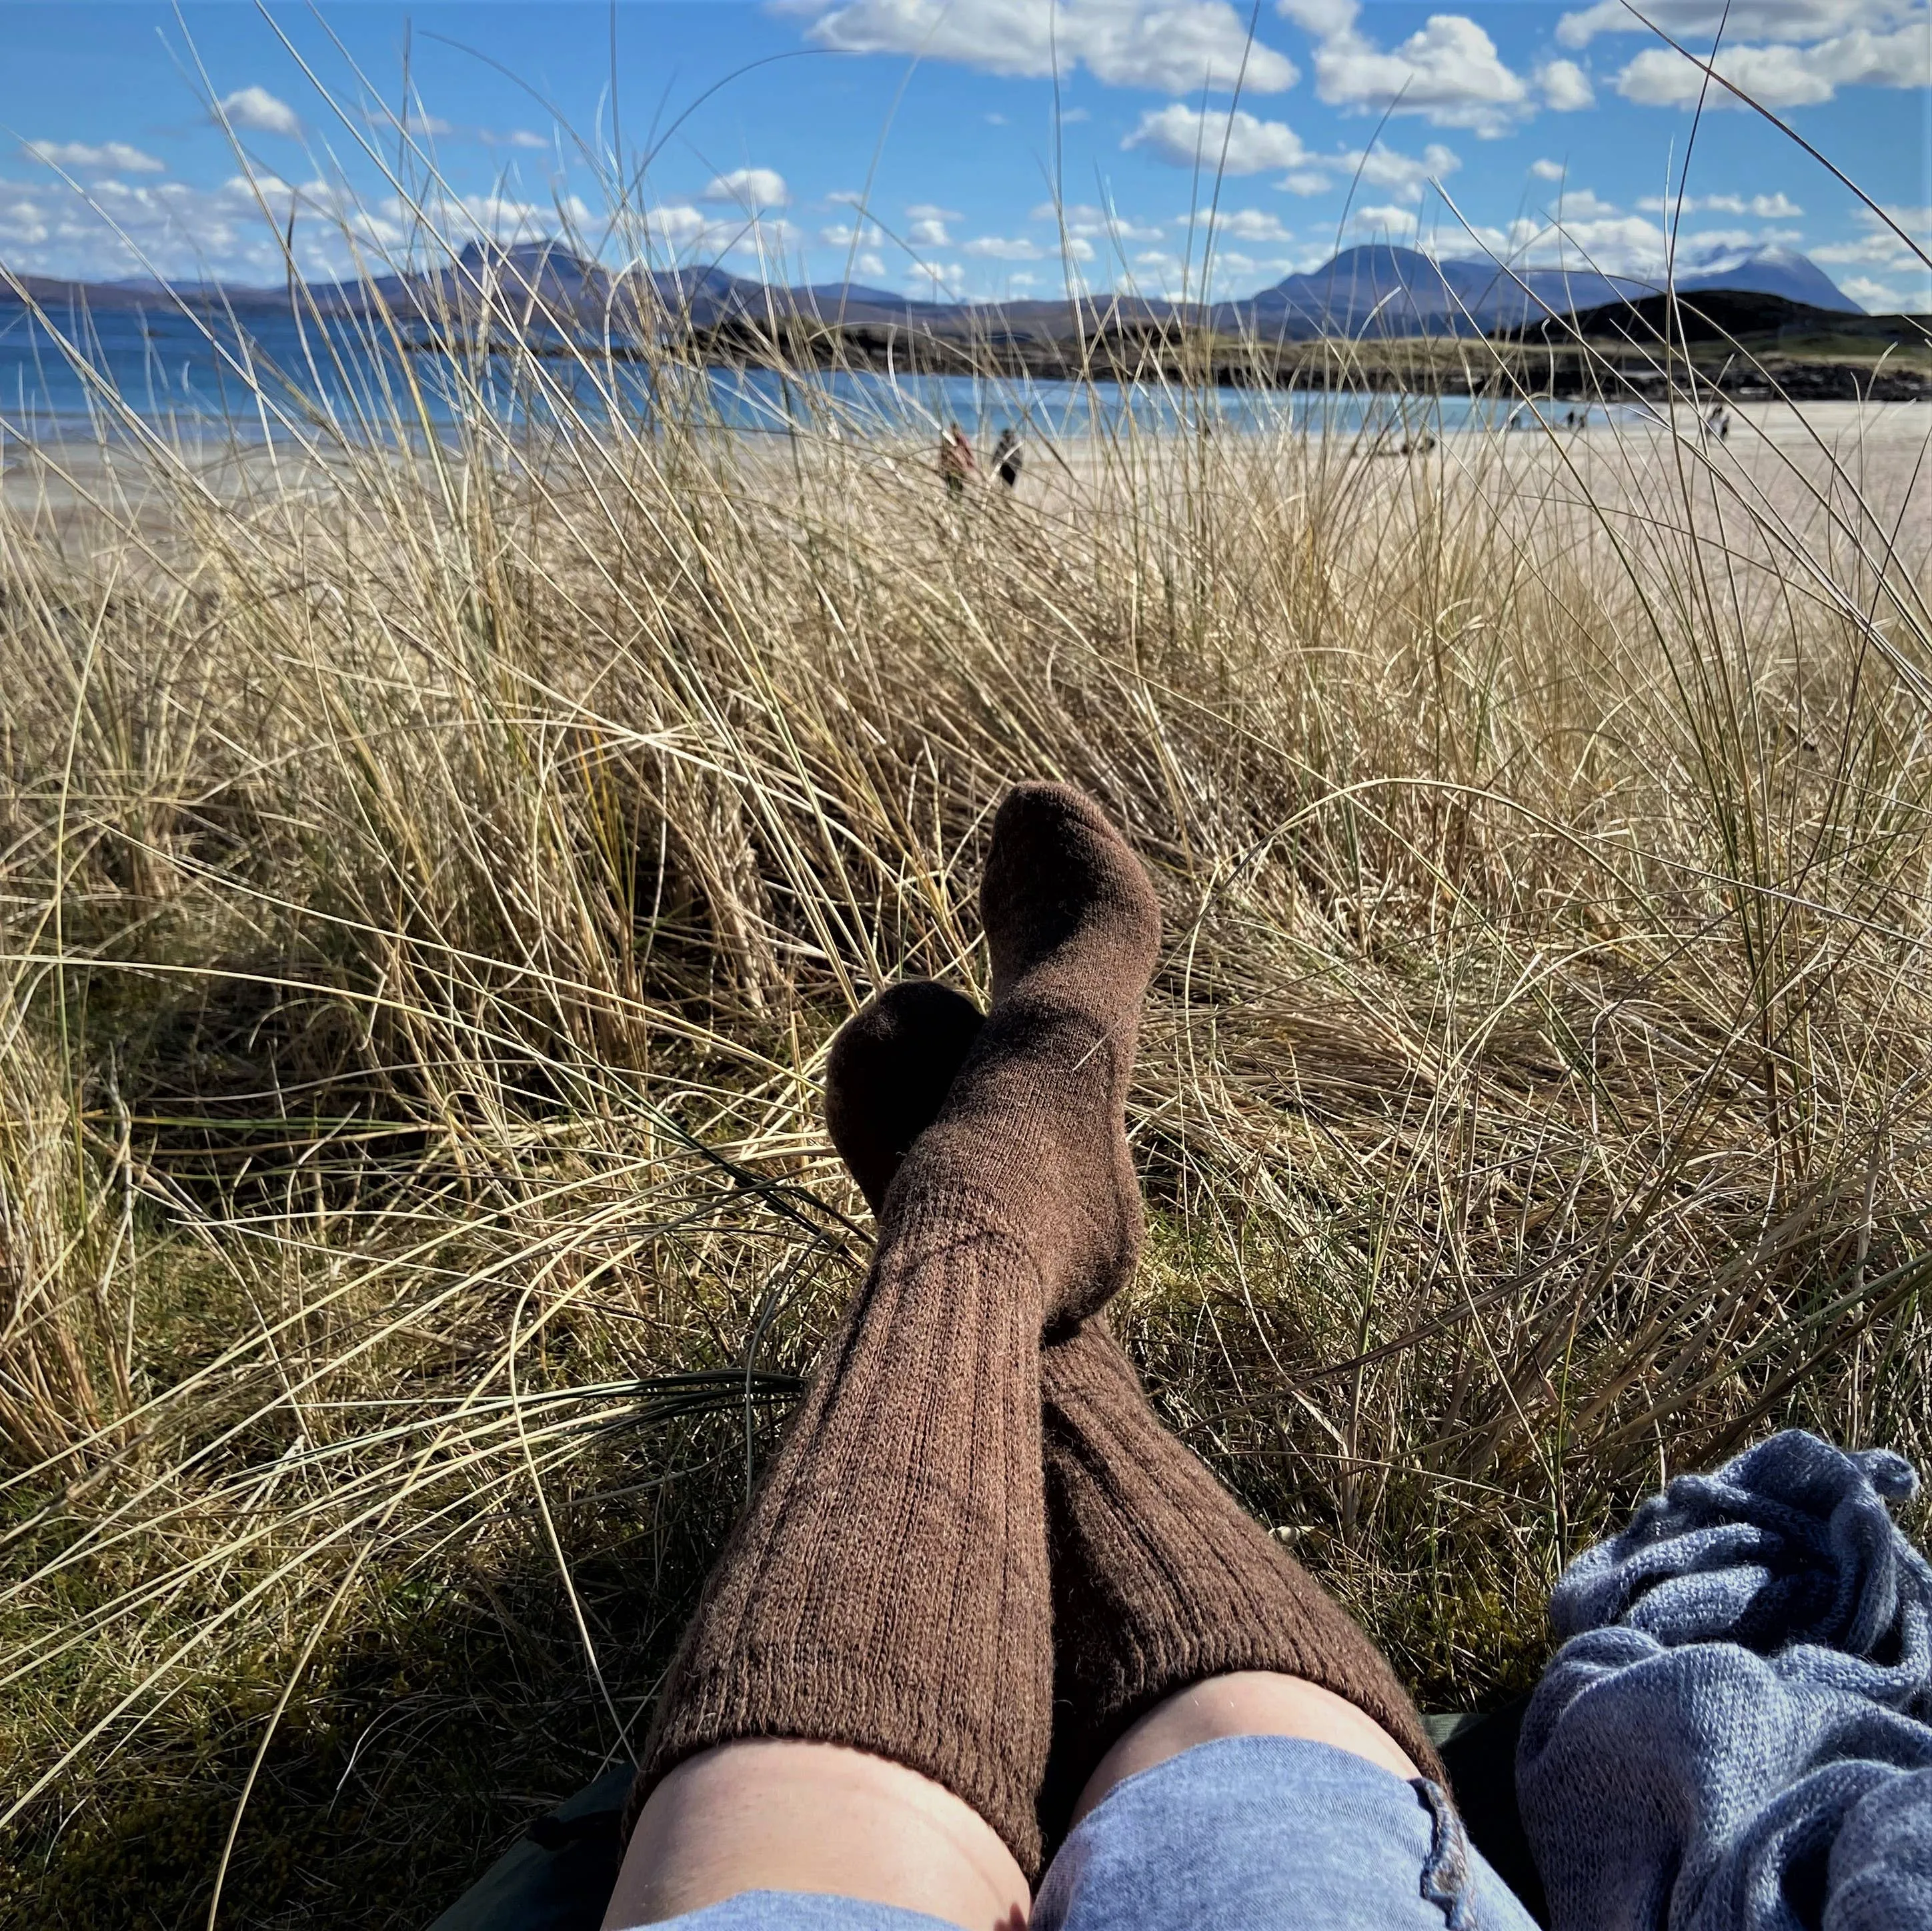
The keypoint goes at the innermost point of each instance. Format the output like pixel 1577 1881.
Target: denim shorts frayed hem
pixel 1265 1834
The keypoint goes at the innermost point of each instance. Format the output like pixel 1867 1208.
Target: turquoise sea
pixel 267 375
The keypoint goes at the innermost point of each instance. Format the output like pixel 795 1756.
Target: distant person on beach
pixel 1007 456
pixel 1717 424
pixel 989 1647
pixel 956 460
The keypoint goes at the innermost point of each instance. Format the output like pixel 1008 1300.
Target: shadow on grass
pixel 456 1710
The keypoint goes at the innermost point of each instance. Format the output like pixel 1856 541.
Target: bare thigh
pixel 770 1815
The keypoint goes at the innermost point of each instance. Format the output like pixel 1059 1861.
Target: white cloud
pixel 1234 143
pixel 846 234
pixel 1447 70
pixel 1658 77
pixel 1244 224
pixel 683 230
pixel 748 188
pixel 1782 74
pixel 1917 222
pixel 1583 204
pixel 172 230
pixel 1687 20
pixel 504 217
pixel 258 112
pixel 1094 224
pixel 1407 175
pixel 1547 170
pixel 1324 18
pixel 23 225
pixel 1159 271
pixel 232 232
pixel 1018 248
pixel 1616 244
pixel 1477 239
pixel 933 281
pixel 1231 261
pixel 1880 298
pixel 677 225
pixel 1765 206
pixel 1908 283
pixel 765 240
pixel 1173 47
pixel 80 158
pixel 1006 248
pixel 1566 88
pixel 1809 61
pixel 929 227
pixel 1390 219
pixel 1156 272
pixel 871 263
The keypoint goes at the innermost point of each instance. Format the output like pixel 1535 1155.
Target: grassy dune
pixel 431 873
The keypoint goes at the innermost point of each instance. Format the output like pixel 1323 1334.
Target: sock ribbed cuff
pixel 886 1588
pixel 1162 1580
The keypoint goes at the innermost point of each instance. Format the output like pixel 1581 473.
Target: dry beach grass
pixel 429 881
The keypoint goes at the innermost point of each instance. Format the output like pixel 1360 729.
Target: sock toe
pixel 1064 895
pixel 888 1072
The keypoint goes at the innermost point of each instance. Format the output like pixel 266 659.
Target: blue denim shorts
pixel 1266 1833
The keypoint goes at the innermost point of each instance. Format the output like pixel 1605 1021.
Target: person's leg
pixel 1242 1703
pixel 773 1815
pixel 1177 1620
pixel 1266 1830
pixel 886 1593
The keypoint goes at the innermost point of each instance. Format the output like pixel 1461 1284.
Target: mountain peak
pixel 1384 290
pixel 1774 269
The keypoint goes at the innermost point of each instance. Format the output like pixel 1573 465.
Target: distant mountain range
pixel 1373 291
pixel 1385 291
pixel 1724 318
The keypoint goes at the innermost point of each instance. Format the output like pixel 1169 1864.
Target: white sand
pixel 1817 470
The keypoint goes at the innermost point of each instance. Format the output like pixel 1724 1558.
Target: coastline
pixel 1471 366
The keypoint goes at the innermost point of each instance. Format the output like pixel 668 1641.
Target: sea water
pixel 271 374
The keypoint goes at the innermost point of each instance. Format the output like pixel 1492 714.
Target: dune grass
pixel 433 865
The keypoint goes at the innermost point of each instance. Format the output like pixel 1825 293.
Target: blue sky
pixel 926 144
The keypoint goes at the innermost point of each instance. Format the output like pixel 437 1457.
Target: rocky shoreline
pixel 1612 372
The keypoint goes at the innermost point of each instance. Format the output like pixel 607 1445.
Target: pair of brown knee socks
pixel 976 1551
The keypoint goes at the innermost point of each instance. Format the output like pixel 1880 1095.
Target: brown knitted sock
pixel 887 1587
pixel 1160 1579
pixel 1031 1141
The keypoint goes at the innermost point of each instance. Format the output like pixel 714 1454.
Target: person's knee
pixel 1245 1703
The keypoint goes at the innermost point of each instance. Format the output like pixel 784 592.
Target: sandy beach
pixel 1808 475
